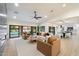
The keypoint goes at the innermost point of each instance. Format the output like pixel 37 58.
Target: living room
pixel 39 29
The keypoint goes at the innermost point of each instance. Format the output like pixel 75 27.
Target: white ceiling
pixel 26 11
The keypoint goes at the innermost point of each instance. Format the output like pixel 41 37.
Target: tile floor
pixel 20 47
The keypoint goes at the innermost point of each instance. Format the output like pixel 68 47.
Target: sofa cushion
pixel 51 43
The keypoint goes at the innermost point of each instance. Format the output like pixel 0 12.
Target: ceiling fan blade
pixel 35 14
pixel 39 17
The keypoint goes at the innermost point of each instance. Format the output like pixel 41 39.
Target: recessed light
pixel 64 5
pixel 45 16
pixel 16 4
pixel 60 22
pixel 3 15
pixel 14 17
pixel 51 10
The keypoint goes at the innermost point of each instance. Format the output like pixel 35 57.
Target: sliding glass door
pixel 14 31
pixel 52 30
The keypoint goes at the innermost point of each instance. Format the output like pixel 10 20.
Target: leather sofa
pixel 48 49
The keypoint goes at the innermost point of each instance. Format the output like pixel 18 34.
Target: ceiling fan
pixel 36 16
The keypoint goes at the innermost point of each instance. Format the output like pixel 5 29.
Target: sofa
pixel 25 35
pixel 50 48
